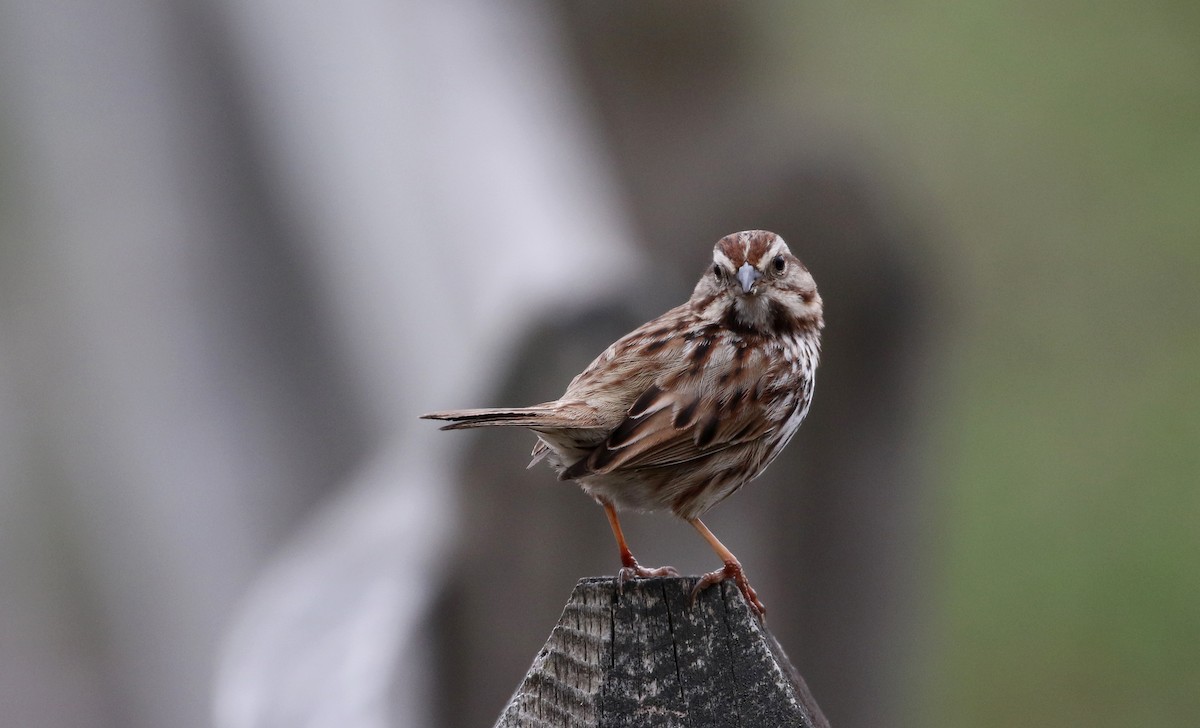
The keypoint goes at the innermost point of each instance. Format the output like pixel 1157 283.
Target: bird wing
pixel 675 421
pixel 687 391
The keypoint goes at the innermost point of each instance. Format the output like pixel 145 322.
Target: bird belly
pixel 686 493
pixel 626 491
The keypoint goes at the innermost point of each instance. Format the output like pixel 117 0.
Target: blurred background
pixel 243 245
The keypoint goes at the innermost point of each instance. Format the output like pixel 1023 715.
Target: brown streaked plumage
pixel 684 410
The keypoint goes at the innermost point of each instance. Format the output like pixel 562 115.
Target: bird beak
pixel 747 275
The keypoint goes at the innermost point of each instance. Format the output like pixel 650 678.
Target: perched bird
pixel 686 409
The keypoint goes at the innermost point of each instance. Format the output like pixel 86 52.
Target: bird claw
pixel 633 571
pixel 732 570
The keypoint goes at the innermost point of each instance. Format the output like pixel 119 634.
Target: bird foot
pixel 634 570
pixel 732 570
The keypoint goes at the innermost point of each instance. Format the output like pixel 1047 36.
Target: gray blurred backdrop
pixel 244 244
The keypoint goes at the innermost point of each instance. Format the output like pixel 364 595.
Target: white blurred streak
pixel 442 174
pixel 437 170
pixel 437 158
pixel 330 636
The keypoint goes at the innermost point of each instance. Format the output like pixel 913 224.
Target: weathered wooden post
pixel 648 657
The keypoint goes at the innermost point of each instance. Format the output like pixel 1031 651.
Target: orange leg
pixel 630 569
pixel 732 570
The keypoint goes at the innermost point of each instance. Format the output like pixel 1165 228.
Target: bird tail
pixel 501 417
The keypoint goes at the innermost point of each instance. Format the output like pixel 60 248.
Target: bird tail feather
pixel 500 417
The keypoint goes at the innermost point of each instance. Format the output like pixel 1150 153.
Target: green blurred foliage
pixel 1052 150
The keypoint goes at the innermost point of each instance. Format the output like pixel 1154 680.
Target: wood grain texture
pixel 647 657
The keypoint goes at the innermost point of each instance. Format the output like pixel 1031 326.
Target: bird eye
pixel 718 272
pixel 779 263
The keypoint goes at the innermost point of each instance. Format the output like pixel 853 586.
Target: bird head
pixel 756 284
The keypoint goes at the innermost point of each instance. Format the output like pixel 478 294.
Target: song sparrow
pixel 686 409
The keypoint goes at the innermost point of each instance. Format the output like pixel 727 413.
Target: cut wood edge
pixel 648 654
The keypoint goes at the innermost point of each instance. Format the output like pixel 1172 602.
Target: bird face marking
pixel 758 285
